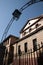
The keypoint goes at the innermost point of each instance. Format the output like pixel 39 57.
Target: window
pixel 35 44
pixel 25 47
pixel 37 25
pixel 30 29
pixel 24 33
pixel 19 50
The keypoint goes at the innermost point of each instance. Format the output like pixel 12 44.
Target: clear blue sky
pixel 6 9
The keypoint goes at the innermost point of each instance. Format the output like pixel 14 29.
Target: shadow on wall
pixel 10 55
pixel 2 52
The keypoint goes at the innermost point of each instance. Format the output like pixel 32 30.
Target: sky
pixel 7 7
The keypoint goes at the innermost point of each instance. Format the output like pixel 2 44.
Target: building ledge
pixel 32 33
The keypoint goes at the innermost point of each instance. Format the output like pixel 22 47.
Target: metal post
pixel 27 58
pixel 19 59
pixel 34 59
pixel 31 57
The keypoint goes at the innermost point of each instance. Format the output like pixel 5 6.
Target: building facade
pixel 30 35
pixel 9 51
pixel 31 38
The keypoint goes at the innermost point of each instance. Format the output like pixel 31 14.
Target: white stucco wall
pixel 29 40
pixel 33 27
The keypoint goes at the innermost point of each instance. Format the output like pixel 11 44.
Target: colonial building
pixel 9 51
pixel 31 38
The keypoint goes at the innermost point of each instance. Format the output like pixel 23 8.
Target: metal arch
pixel 7 28
pixel 28 4
pixel 16 14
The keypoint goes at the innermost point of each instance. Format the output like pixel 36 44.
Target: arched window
pixel 19 50
pixel 25 47
pixel 35 44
